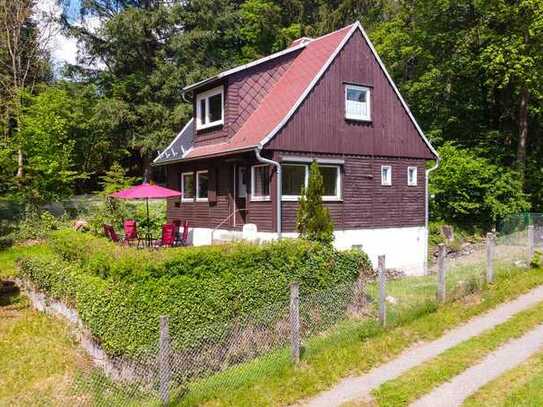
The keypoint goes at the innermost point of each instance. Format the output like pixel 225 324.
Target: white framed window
pixel 210 108
pixel 357 103
pixel 331 178
pixel 386 175
pixel 202 184
pixel 296 176
pixel 260 182
pixel 187 187
pixel 293 178
pixel 412 176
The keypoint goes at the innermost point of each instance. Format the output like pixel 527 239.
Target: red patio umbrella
pixel 146 191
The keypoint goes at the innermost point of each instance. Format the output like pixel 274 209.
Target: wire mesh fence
pixel 185 366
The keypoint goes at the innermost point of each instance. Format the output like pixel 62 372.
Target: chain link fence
pixel 183 367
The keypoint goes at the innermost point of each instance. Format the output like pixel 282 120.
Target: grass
pixel 39 358
pixel 522 387
pixel 351 348
pixel 422 379
pixel 8 257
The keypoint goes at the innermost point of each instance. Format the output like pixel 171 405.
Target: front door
pixel 241 195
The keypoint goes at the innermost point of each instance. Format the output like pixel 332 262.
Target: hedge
pixel 120 293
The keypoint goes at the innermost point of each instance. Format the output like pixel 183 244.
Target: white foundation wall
pixel 404 248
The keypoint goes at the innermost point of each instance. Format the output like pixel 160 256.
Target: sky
pixel 63 49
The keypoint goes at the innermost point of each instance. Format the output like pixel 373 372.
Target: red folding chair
pixel 168 236
pixel 131 232
pixel 110 233
pixel 183 241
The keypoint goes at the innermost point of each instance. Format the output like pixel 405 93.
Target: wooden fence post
pixel 295 321
pixel 441 274
pixel 382 293
pixel 490 245
pixel 531 242
pixel 164 360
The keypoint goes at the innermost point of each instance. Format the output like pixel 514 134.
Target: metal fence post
pixel 441 274
pixel 295 321
pixel 382 293
pixel 490 246
pixel 164 360
pixel 531 242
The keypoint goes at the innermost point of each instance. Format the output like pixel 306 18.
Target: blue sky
pixel 63 49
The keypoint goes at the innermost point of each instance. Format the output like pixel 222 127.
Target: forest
pixel 470 70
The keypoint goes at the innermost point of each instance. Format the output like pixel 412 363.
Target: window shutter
pixel 212 186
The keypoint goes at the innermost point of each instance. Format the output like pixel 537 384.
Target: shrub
pixel 120 293
pixel 537 259
pixel 313 220
pixel 467 187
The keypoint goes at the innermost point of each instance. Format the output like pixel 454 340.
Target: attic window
pixel 357 103
pixel 210 108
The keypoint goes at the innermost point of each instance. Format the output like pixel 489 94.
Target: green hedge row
pixel 120 293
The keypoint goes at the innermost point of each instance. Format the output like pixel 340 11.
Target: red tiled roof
pixel 282 97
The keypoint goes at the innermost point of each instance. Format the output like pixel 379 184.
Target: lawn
pixel 422 379
pixel 39 357
pixel 520 387
pixel 8 257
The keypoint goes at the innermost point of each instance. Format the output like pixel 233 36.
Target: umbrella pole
pixel 148 223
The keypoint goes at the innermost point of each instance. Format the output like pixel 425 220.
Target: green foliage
pixel 38 225
pixel 115 179
pixel 467 189
pixel 537 259
pixel 313 220
pixel 196 286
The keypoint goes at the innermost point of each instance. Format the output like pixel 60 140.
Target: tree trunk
pixel 20 163
pixel 523 130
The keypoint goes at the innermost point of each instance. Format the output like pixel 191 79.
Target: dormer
pixel 210 108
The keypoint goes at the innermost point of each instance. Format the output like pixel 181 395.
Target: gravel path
pixel 359 388
pixel 453 393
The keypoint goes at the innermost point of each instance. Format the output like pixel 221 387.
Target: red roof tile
pixel 282 97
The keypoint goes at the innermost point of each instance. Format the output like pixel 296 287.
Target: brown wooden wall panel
pixel 211 214
pixel 319 124
pixel 368 204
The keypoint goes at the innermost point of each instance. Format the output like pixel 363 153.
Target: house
pixel 243 157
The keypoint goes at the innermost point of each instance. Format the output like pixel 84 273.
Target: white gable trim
pixel 355 26
pixel 421 133
pixel 309 88
pixel 174 140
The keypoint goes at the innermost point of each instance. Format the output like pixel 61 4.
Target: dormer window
pixel 357 103
pixel 210 108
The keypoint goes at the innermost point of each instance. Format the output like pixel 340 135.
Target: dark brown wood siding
pixel 211 214
pixel 243 92
pixel 366 204
pixel 319 124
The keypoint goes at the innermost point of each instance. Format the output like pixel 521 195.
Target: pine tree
pixel 115 179
pixel 313 220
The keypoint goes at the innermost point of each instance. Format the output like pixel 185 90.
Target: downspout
pixel 278 194
pixel 427 213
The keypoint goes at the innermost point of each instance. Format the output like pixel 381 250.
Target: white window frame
pixel 253 182
pixel 337 196
pixel 183 199
pixel 366 118
pixel 386 182
pixel 206 95
pixel 325 198
pixel 412 183
pixel 198 173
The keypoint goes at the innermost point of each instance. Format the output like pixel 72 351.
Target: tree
pixel 313 221
pixel 471 191
pixel 49 146
pixel 23 63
